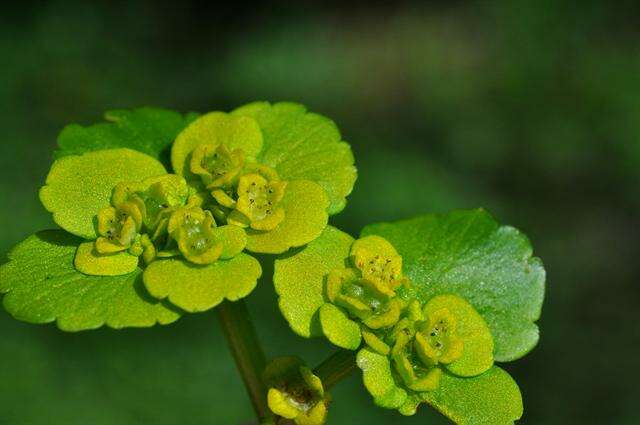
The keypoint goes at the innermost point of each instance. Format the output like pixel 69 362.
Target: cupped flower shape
pixel 362 298
pixel 157 242
pixel 216 165
pixel 436 341
pixel 294 392
pixel 259 202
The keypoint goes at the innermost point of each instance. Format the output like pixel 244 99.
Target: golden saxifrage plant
pixel 160 215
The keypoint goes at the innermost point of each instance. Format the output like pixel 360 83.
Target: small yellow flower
pixel 193 229
pixel 216 165
pixel 118 227
pixel 362 298
pixel 295 393
pixel 258 201
pixel 436 340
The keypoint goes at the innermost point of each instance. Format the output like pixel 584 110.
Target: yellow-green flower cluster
pixel 158 218
pixel 417 341
pixel 421 342
pixel 252 199
pixel 243 192
pixel 218 183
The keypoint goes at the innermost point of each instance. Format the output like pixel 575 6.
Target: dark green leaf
pixel 42 286
pixel 148 130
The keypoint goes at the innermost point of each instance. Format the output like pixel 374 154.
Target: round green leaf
pixel 77 187
pixel 148 130
pixel 90 262
pixel 487 399
pixel 233 238
pixel 302 145
pixel 477 354
pixel 299 279
pixel 215 128
pixel 42 286
pixel 468 254
pixel 198 288
pixel 305 207
pixel 338 328
pixel 379 380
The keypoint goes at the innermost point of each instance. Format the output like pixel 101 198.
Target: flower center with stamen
pixel 216 165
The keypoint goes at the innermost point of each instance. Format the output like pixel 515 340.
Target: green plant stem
pixel 247 352
pixel 338 366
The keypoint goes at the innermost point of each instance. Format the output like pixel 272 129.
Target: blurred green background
pixel 530 109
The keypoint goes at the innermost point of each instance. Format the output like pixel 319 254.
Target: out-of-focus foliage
pixel 528 108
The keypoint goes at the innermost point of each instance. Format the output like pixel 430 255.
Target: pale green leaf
pixel 379 380
pixel 77 187
pixel 492 398
pixel 235 132
pixel 302 145
pixel 477 354
pixel 198 288
pixel 233 239
pixel 148 130
pixel 42 286
pixel 338 328
pixel 299 279
pixel 305 207
pixel 90 262
pixel 468 254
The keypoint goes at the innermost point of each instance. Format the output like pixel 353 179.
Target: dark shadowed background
pixel 530 109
